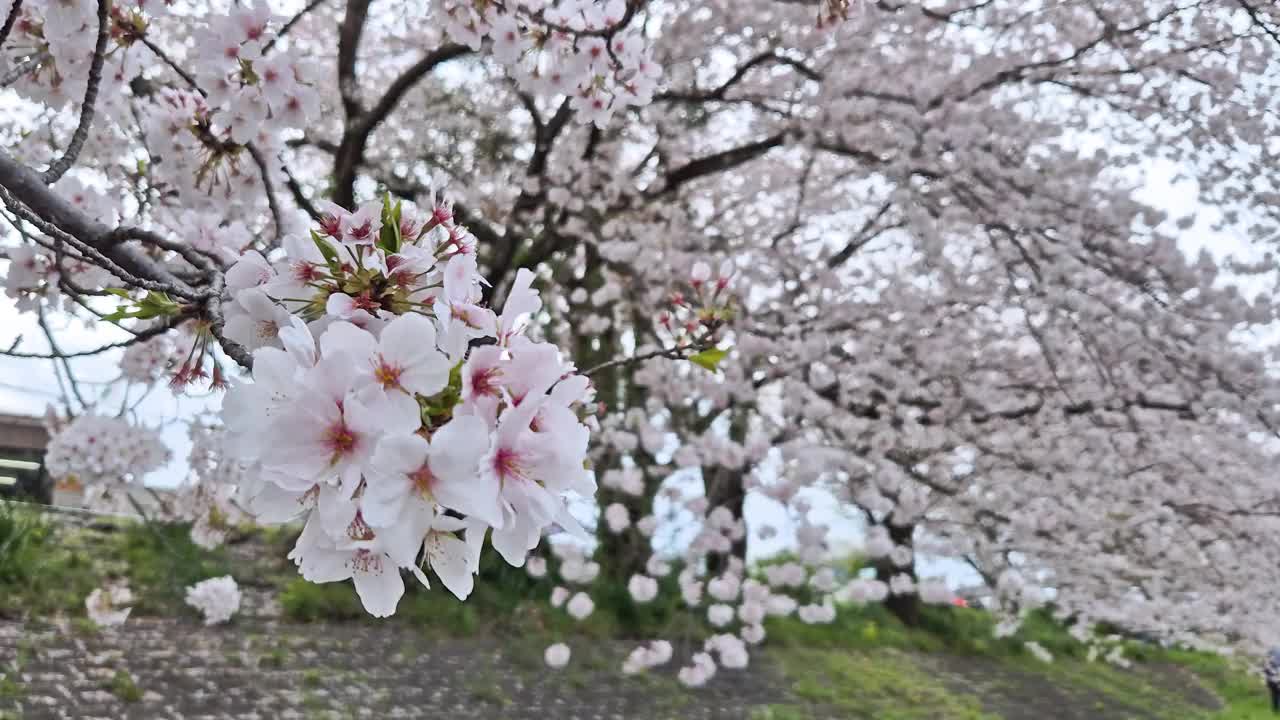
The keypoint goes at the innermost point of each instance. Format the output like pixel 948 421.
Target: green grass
pixel 10 688
pixel 44 571
pixel 23 538
pixel 162 562
pixel 122 686
pixel 48 570
pixel 883 685
pixel 1243 694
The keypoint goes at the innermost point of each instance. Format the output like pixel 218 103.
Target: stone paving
pixel 162 668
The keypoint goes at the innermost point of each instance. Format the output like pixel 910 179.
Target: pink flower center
pixel 422 480
pixel 331 225
pixel 362 231
pixel 359 529
pixel 340 439
pixel 483 381
pixel 267 330
pixel 364 302
pixel 305 272
pixel 386 374
pixel 506 464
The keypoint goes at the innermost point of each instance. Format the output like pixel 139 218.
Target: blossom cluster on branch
pixel 591 52
pixel 378 409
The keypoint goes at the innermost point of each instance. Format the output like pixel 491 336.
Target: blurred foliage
pixel 48 569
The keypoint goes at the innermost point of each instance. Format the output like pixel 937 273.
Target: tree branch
pixel 348 48
pixel 350 152
pixel 72 151
pixel 27 188
pixel 721 161
pixel 284 29
pixel 14 11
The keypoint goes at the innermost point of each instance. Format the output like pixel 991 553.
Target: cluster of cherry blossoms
pixel 208 497
pixel 35 272
pixel 695 318
pixel 582 49
pixel 246 86
pixel 63 31
pixel 216 135
pixel 217 599
pixel 106 454
pixel 403 418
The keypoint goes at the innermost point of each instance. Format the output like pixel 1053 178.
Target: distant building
pixel 22 473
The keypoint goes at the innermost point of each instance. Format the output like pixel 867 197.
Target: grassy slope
pixel 866 665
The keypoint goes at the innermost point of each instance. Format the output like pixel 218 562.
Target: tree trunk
pixel 905 607
pixel 724 488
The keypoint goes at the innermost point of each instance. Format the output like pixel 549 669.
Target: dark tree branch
pixel 350 152
pixel 348 48
pixel 769 56
pixel 72 151
pixel 23 68
pixel 267 188
pixel 14 11
pixel 213 309
pixel 1257 20
pixel 299 197
pixel 721 161
pixel 863 237
pixel 164 58
pixel 28 189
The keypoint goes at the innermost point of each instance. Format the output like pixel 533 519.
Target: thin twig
pixel 164 57
pixel 267 187
pixel 91 253
pixel 57 352
pixel 670 353
pixel 139 337
pixel 284 30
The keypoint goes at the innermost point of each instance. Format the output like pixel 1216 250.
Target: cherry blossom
pixel 217 599
pixel 580 606
pixel 109 607
pixel 642 588
pixel 556 656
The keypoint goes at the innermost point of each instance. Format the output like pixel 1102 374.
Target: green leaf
pixel 118 292
pixel 330 255
pixel 389 238
pixel 709 358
